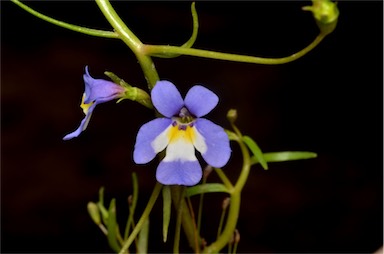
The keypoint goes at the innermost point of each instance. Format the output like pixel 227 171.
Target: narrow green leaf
pixel 191 40
pixel 255 149
pixel 142 245
pixel 206 188
pixel 112 227
pixel 132 205
pixel 116 79
pixel 286 156
pixel 100 205
pixel 94 212
pixel 167 200
pixel 80 29
pixel 231 135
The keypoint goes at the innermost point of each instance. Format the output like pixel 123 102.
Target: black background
pixel 329 102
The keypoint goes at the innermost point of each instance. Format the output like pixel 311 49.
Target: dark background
pixel 329 102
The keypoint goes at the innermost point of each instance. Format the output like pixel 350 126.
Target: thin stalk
pixel 132 205
pixel 234 207
pixel 196 233
pixel 235 247
pixel 223 212
pixel 143 218
pixel 176 242
pixel 224 178
pixel 80 29
pixel 131 40
pixel 154 50
pixel 187 222
pixel 200 211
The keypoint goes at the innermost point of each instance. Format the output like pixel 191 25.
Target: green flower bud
pixel 325 13
pixel 232 115
pixel 93 211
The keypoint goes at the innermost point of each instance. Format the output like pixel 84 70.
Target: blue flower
pixel 96 91
pixel 180 132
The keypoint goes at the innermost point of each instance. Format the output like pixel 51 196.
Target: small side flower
pixel 180 132
pixel 96 91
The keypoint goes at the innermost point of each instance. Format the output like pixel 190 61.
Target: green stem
pixel 131 40
pixel 224 178
pixel 154 50
pixel 246 162
pixel 230 226
pixel 176 242
pixel 113 18
pixel 234 207
pixel 196 234
pixel 80 29
pixel 187 221
pixel 223 212
pixel 200 211
pixel 132 206
pixel 143 218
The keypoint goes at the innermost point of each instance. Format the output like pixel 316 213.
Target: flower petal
pixel 200 101
pixel 179 172
pixel 166 98
pixel 83 124
pixel 180 146
pixel 145 148
pixel 100 89
pixel 217 150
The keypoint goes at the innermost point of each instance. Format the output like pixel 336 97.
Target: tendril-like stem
pixel 80 29
pixel 234 208
pixel 154 50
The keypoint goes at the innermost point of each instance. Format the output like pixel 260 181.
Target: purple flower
pixel 180 133
pixel 96 91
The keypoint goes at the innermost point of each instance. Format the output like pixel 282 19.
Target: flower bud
pixel 130 200
pixel 237 236
pixel 93 211
pixel 232 115
pixel 207 171
pixel 225 203
pixel 325 13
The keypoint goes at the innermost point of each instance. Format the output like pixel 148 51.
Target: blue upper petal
pixel 200 101
pixel 144 151
pixel 83 124
pixel 100 89
pixel 166 98
pixel 217 141
pixel 179 172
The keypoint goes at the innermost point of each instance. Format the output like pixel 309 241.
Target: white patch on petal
pixel 162 140
pixel 87 118
pixel 199 141
pixel 180 147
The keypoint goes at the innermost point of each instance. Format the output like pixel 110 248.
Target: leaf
pixel 167 200
pixel 206 188
pixel 255 149
pixel 132 205
pixel 231 135
pixel 80 29
pixel 286 156
pixel 112 226
pixel 116 79
pixel 142 245
pixel 191 40
pixel 100 204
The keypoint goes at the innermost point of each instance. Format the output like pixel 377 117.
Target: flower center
pixel 184 119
